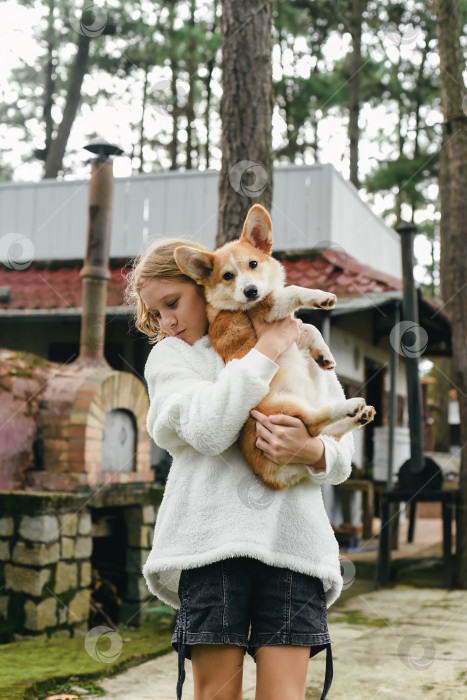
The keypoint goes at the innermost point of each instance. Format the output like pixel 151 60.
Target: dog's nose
pixel 251 292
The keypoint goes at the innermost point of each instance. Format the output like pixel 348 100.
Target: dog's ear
pixel 194 263
pixel 257 229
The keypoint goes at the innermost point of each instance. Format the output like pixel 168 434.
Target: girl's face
pixel 179 307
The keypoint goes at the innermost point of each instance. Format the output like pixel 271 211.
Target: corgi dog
pixel 242 277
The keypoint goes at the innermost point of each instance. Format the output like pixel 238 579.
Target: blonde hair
pixel 157 262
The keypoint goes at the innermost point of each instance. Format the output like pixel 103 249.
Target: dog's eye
pixel 253 264
pixel 228 276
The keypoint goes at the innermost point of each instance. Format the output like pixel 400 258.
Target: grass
pixel 32 669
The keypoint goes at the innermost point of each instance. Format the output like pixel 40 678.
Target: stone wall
pixel 140 521
pixel 46 543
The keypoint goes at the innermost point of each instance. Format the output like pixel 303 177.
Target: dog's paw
pixel 317 299
pixel 366 416
pixel 324 359
pixel 325 300
pixel 354 407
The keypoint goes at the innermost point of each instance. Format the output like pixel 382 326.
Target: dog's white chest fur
pixel 301 376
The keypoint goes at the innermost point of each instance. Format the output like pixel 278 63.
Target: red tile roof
pixel 337 272
pixel 45 288
pixel 36 288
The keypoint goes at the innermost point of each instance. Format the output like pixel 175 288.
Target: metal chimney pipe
pixel 95 271
pixel 407 232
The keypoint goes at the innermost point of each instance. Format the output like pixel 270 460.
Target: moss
pixel 18 503
pixel 138 494
pixel 444 606
pixel 66 598
pixel 31 359
pixel 356 617
pixel 39 667
pixel 155 495
pixel 463 677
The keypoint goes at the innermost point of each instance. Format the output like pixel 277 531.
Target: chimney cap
pixel 103 148
pixel 404 227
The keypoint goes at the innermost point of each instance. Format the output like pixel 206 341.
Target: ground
pixel 399 642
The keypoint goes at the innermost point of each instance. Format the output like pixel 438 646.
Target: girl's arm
pixel 286 439
pixel 208 415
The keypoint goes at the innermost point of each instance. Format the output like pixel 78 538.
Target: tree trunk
pixel 141 126
pixel 175 115
pixel 49 88
pixel 354 87
pixel 401 141
pixel 190 117
pixel 58 145
pixel 246 113
pixel 418 106
pixel 192 70
pixel 447 248
pixel 454 234
pixel 207 116
pixel 314 128
pixel 210 68
pixel 171 34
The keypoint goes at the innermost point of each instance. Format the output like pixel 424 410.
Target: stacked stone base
pixel 45 559
pixel 46 574
pixel 140 527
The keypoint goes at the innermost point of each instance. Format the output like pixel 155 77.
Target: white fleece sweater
pixel 214 507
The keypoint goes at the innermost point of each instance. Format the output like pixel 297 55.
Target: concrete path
pixel 397 643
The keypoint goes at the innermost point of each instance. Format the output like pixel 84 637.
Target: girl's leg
pixel 217 671
pixel 281 672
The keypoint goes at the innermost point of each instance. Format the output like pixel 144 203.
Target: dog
pixel 241 278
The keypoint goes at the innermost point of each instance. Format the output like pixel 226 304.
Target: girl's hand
pixel 274 338
pixel 285 440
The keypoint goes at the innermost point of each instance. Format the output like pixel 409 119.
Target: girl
pixel 233 556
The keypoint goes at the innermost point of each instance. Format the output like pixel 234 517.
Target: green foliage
pixel 406 174
pixel 161 61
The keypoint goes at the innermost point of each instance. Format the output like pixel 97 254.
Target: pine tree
pixel 246 112
pixel 454 231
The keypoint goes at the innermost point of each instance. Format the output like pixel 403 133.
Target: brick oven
pixel 77 499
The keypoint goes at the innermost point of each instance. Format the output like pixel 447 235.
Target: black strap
pixel 181 670
pixel 329 671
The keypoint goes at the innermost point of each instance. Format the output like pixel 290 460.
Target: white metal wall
pixel 312 204
pixel 359 231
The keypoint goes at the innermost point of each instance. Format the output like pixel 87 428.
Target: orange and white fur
pixel 242 277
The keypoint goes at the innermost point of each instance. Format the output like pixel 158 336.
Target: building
pixel 324 235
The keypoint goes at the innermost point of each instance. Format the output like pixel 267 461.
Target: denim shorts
pixel 243 601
